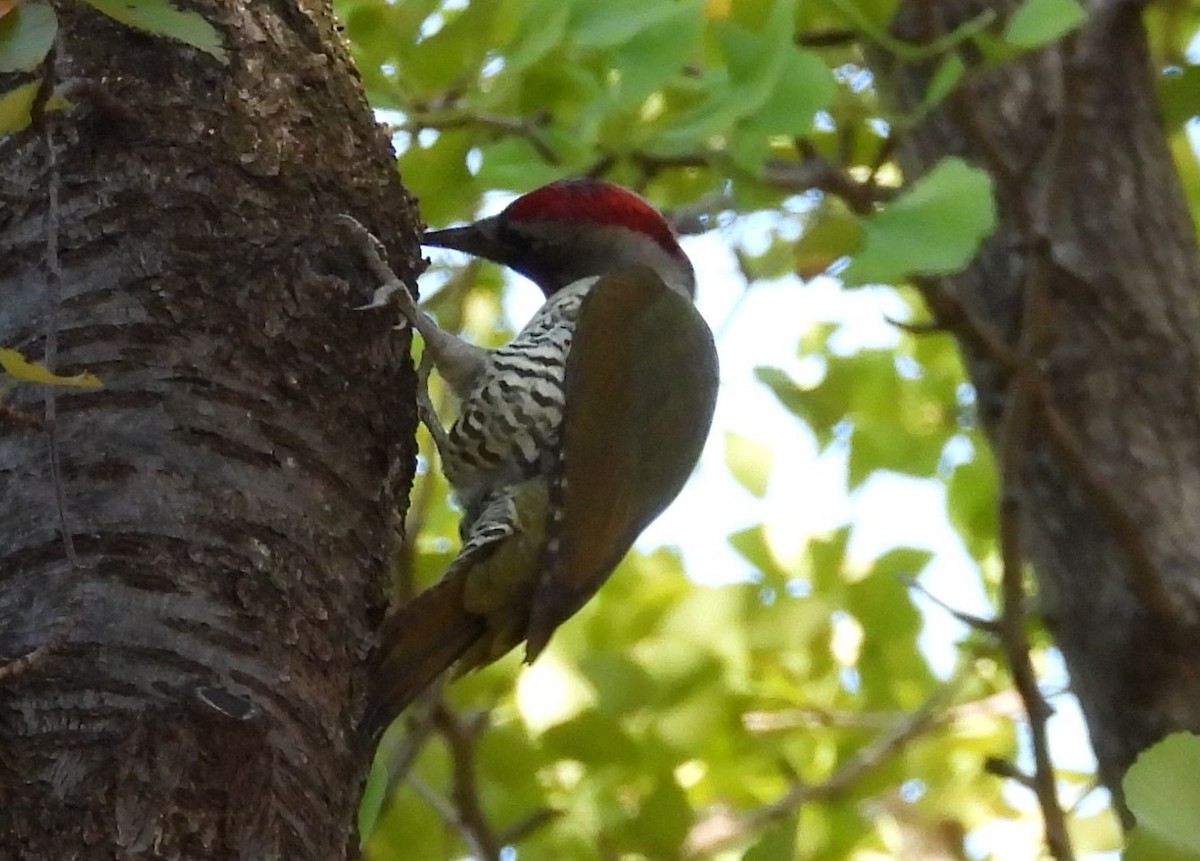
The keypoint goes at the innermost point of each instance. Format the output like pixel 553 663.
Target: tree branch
pixel 461 735
pixel 530 129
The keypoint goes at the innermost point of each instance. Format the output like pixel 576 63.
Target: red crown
pixel 595 201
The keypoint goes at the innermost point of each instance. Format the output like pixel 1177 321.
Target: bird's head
pixel 572 229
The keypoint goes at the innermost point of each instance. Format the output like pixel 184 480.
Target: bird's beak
pixel 480 239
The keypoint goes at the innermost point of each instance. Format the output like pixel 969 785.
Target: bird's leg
pixel 457 361
pixel 499 557
pixel 428 414
pixel 425 409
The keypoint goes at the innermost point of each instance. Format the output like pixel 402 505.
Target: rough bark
pixel 199 640
pixel 1095 270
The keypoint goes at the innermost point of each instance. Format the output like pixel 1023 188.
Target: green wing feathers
pixel 642 384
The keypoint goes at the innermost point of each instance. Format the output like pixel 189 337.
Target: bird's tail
pixel 418 642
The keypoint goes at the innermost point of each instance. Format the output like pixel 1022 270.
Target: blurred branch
pixel 463 810
pixel 528 128
pixel 1000 704
pixel 441 806
pixel 531 823
pixel 404 559
pixel 1013 444
pixel 1009 771
pixel 811 172
pixel 989 626
pixel 461 734
pixel 827 38
pixel 723 827
pixel 815 172
pixel 401 754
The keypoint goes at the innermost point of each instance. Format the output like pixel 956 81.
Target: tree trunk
pixel 1091 280
pixel 199 583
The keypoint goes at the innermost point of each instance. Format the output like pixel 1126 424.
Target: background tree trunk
pixel 226 494
pixel 1092 280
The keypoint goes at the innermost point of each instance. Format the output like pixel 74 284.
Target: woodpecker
pixel 569 440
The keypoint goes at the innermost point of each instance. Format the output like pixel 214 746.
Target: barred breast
pixel 508 427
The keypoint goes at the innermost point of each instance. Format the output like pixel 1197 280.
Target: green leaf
pixel 592 737
pixel 1143 845
pixel 826 242
pixel 26 34
pixel 1179 95
pixel 438 175
pixel 1040 22
pixel 622 685
pixel 543 29
pixel 792 397
pixel 513 163
pixel 15 106
pixel 158 17
pixel 749 461
pixel 663 818
pixel 752 545
pixel 933 228
pixel 949 72
pixel 657 53
pixel 693 129
pixel 1162 789
pixel 615 22
pixel 877 31
pixel 438 61
pixel 373 798
pixel 804 86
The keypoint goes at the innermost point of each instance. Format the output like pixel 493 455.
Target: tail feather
pixel 418 642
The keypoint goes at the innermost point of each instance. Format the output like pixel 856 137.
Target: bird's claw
pixel 382 297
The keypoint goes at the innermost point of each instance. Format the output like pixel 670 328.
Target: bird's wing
pixel 641 379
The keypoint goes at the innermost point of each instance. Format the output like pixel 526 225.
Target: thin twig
pixel 529 129
pixel 1013 437
pixel 814 171
pixel 441 806
pixel 522 828
pixel 1003 703
pixel 928 327
pixel 1009 771
pixel 419 509
pixel 401 755
pixel 988 626
pixel 955 316
pixel 827 38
